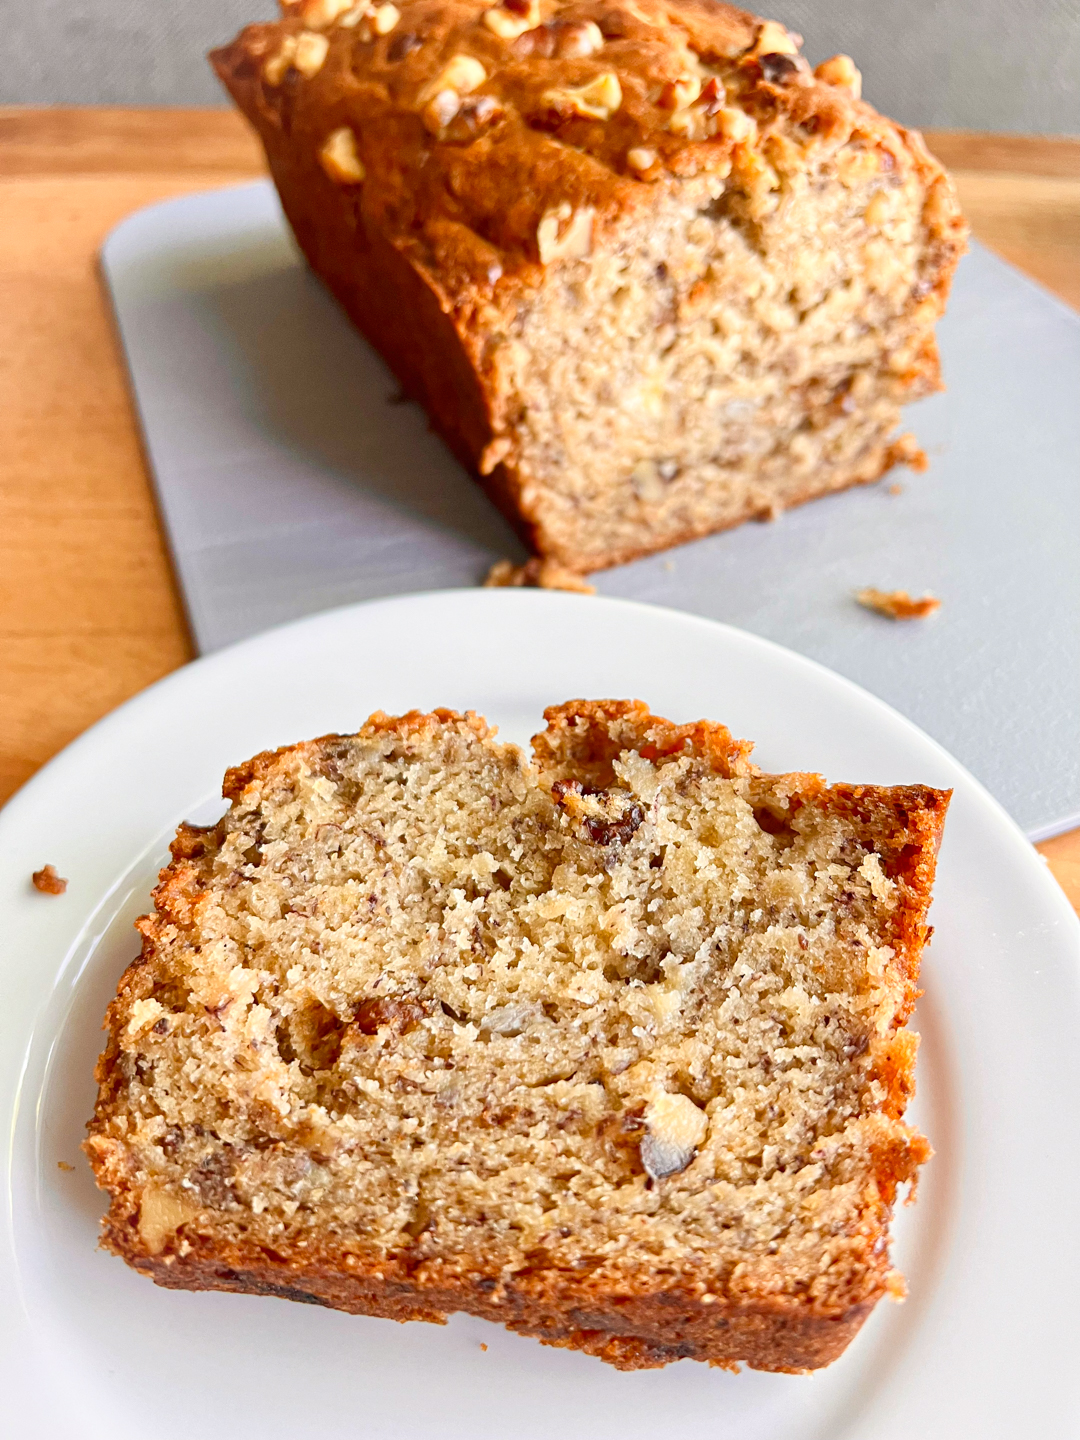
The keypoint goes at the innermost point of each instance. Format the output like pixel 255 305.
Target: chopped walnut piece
pixel 600 817
pixel 494 453
pixel 339 159
pixel 561 39
pixel 774 39
pixel 578 38
pixel 536 574
pixel 777 69
pixel 323 12
pixel 897 604
pixel 471 116
pixel 395 1012
pixel 275 68
pixel 440 110
pixel 674 1128
pixel 640 159
pixel 693 123
pixel 598 100
pixel 678 94
pixel 841 70
pixel 48 881
pixel 311 50
pixel 352 17
pixel 403 44
pixel 565 234
pixel 650 479
pixel 700 118
pixel 510 21
pixel 735 125
pixel 713 95
pixel 462 73
pixel 384 18
pixel 161 1214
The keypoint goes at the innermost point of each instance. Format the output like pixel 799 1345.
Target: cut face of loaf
pixel 650 275
pixel 608 1047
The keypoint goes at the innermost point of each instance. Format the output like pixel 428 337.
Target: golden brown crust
pixel 632 1316
pixel 432 245
pixel 583 737
pixel 630 1332
pixel 471 205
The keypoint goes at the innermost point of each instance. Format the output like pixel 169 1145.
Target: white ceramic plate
pixel 985 1345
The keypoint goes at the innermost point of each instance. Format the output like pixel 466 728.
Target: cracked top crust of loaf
pixel 567 116
pixel 621 1024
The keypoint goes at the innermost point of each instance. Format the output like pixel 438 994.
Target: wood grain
pixel 89 613
pixel 113 141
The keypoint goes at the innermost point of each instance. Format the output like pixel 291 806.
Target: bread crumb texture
pixel 607 1045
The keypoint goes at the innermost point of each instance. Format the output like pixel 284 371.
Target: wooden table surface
pixel 89 612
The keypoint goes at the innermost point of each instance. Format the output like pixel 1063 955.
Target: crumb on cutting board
pixel 906 450
pixel 48 881
pixel 897 604
pixel 537 574
pixel 63 1165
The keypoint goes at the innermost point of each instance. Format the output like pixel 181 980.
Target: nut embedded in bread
pixel 607 1046
pixel 650 274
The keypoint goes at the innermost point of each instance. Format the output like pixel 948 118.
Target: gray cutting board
pixel 291 479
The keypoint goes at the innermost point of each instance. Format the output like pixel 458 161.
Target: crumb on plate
pixel 48 881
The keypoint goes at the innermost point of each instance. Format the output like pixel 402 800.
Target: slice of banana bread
pixel 608 1047
pixel 650 274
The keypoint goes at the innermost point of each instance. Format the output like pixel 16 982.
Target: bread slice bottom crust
pixel 630 1332
pixel 637 1278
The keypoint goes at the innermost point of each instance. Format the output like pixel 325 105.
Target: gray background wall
pixel 977 64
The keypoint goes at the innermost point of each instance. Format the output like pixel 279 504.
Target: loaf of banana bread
pixel 650 274
pixel 607 1046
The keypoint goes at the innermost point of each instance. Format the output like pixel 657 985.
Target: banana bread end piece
pixel 608 1047
pixel 650 275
